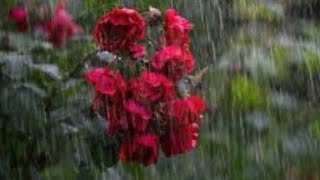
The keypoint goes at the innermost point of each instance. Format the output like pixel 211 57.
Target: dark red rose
pixel 152 87
pixel 130 117
pixel 137 51
pixel 60 28
pixel 107 82
pixel 118 30
pixel 138 115
pixel 185 111
pixel 173 62
pixel 176 29
pixel 180 140
pixel 142 149
pixel 196 106
pixel 18 15
pixel 118 120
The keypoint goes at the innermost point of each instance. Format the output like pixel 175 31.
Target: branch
pixel 79 65
pixel 153 44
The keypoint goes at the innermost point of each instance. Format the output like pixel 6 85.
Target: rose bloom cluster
pixel 147 111
pixel 57 27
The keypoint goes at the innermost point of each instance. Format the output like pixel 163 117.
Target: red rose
pixel 180 140
pixel 138 51
pixel 60 28
pixel 118 120
pixel 138 115
pixel 185 111
pixel 107 82
pixel 173 62
pixel 18 15
pixel 176 29
pixel 131 117
pixel 152 87
pixel 118 30
pixel 141 149
pixel 196 106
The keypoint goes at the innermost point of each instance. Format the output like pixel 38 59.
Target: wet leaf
pixel 258 120
pixel 49 69
pixel 15 66
pixel 136 171
pixel 25 106
pixel 104 150
pixel 283 100
pixel 246 94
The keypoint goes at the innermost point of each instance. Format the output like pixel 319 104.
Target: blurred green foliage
pixel 246 94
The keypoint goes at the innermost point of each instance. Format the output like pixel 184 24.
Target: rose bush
pixel 146 111
pixel 137 91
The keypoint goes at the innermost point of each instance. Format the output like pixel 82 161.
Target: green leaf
pixel 24 42
pixel 284 101
pixel 60 171
pixel 246 94
pixel 104 150
pixel 24 104
pixel 135 170
pixel 49 69
pixel 257 120
pixel 312 62
pixel 15 66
